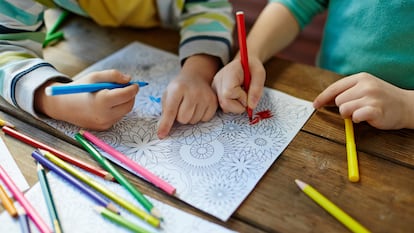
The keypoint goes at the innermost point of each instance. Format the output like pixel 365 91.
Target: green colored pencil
pixel 59 21
pixel 53 37
pixel 100 188
pixel 47 194
pixel 120 220
pixel 118 176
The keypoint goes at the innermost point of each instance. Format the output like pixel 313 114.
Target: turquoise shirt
pixel 371 36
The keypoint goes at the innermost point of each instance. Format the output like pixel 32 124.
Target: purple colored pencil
pixel 77 183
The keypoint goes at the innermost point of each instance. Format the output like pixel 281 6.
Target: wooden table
pixel 383 200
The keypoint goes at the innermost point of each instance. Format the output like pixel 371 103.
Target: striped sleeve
pixel 206 27
pixel 22 69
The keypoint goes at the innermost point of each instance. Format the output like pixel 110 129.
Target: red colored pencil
pixel 36 144
pixel 241 33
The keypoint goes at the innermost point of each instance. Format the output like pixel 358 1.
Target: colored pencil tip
pixel 48 91
pixel 300 183
pixel 353 178
pixel 39 167
pixel 142 84
pixel 109 177
pixel 156 213
pixel 43 152
pixel 6 123
pixel 98 209
pixel 112 208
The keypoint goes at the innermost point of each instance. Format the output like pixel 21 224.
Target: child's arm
pixel 189 98
pixel 21 64
pixel 274 29
pixel 25 75
pixel 98 110
pixel 367 98
pixel 205 45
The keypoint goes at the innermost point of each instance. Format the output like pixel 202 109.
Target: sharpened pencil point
pixel 156 213
pixel 112 208
pixel 48 91
pixel 300 183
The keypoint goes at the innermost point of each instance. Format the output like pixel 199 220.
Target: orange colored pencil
pixel 7 202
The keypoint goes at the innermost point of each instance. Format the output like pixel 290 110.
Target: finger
pixel 170 107
pixel 348 108
pixel 329 94
pixel 106 116
pixel 209 113
pixel 120 110
pixel 237 104
pixel 186 110
pixel 366 113
pixel 256 87
pixel 353 93
pixel 109 76
pixel 118 96
pixel 198 114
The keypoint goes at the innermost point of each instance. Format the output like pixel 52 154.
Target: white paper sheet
pixel 214 165
pixel 77 215
pixel 8 163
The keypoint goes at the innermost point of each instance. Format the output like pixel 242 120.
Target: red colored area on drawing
pixel 261 116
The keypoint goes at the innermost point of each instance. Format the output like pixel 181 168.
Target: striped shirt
pixel 205 27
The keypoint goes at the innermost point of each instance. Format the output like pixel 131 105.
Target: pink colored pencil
pixel 19 196
pixel 129 163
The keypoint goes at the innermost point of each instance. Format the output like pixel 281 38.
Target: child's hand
pixel 228 84
pixel 189 98
pixel 96 111
pixel 367 98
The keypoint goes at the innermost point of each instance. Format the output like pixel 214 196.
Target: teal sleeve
pixel 304 10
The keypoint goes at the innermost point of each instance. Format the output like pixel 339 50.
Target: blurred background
pixel 306 45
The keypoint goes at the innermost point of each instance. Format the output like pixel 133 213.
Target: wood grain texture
pixel 382 201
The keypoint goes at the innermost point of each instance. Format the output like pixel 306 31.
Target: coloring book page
pixel 10 166
pixel 76 212
pixel 213 165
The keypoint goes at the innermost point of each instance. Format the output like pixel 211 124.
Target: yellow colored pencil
pixel 118 176
pixel 353 171
pixel 331 208
pixel 6 123
pixel 100 188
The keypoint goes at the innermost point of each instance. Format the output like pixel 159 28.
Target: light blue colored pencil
pixel 47 194
pixel 23 221
pixel 87 87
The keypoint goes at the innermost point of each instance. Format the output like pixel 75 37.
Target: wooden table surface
pixel 383 200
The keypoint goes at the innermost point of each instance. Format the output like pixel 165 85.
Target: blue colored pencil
pixel 88 87
pixel 23 221
pixel 75 182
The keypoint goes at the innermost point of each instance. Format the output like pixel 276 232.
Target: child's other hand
pixel 96 111
pixel 189 98
pixel 228 84
pixel 367 98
